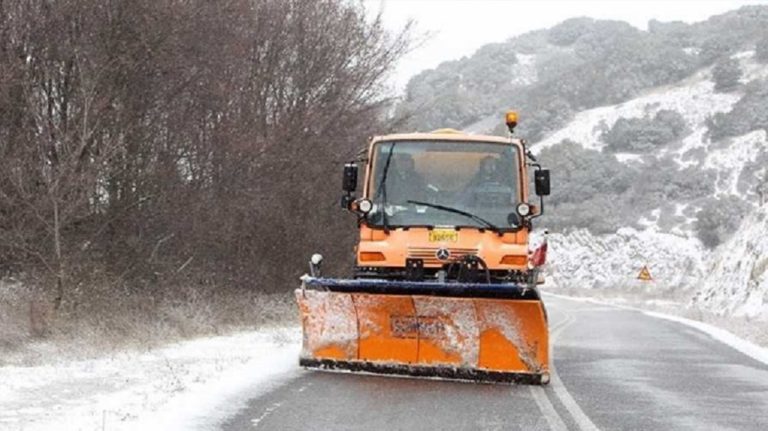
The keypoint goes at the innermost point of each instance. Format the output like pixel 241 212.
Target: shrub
pixel 663 181
pixel 748 114
pixel 593 190
pixel 643 135
pixel 567 32
pixel 754 175
pixel 718 219
pixel 726 75
pixel 588 188
pixel 761 50
pixel 582 173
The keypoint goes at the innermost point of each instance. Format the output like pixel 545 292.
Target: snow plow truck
pixel 445 285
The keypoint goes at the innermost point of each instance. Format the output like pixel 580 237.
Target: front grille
pixel 428 254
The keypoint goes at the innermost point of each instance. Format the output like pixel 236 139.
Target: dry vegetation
pixel 32 332
pixel 164 165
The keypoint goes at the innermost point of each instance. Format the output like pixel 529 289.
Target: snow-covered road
pixel 614 368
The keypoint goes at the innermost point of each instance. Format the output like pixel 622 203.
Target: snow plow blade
pixel 476 332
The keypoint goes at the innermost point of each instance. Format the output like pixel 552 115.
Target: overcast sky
pixel 459 27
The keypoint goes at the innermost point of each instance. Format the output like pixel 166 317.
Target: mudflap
pixel 477 332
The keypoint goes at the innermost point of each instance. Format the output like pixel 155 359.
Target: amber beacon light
pixel 511 120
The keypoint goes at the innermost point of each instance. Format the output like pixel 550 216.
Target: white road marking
pixel 737 343
pixel 267 411
pixel 578 415
pixel 304 387
pixel 741 345
pixel 591 309
pixel 553 419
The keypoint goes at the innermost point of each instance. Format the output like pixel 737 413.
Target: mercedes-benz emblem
pixel 443 253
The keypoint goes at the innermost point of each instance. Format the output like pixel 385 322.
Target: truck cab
pixel 436 205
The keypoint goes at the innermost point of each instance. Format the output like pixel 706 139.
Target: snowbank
pixel 189 385
pixel 581 259
pixel 732 280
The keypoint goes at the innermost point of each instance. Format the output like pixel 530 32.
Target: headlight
pixel 523 209
pixel 365 206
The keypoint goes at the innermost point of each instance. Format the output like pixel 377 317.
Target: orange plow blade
pixel 455 331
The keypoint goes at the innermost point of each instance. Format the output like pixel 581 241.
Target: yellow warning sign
pixel 644 275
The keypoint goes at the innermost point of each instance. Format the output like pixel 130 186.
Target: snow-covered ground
pixel 694 98
pixel 184 386
pixel 736 281
pixel 726 287
pixel 581 259
pixel 731 280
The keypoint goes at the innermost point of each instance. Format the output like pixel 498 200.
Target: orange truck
pixel 445 285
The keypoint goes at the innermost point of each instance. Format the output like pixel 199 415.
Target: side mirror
pixel 541 181
pixel 349 182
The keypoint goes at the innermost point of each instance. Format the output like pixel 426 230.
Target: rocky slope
pixel 735 277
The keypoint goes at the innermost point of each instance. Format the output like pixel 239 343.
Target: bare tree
pixel 159 139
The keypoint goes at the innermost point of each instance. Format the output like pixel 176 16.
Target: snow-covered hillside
pixel 694 98
pixel 733 279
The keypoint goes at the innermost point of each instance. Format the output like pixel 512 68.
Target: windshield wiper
pixel 474 217
pixel 382 190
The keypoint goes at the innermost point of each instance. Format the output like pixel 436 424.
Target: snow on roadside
pixel 188 385
pixel 734 341
pixel 581 259
pixel 746 347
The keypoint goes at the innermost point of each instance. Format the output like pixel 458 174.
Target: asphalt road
pixel 614 369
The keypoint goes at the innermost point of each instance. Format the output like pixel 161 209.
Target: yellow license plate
pixel 443 235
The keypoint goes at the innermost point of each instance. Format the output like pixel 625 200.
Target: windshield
pixel 443 183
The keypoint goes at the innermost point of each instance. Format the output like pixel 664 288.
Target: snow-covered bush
pixel 582 173
pixel 748 114
pixel 592 190
pixel 726 75
pixel 719 218
pixel 567 32
pixel 643 135
pixel 661 181
pixel 544 117
pixel 754 175
pixel 761 50
pixel 587 190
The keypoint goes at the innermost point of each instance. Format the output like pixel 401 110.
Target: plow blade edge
pixel 457 331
